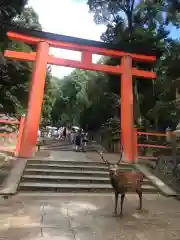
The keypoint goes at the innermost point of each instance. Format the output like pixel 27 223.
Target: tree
pixel 16 75
pixel 83 99
pixel 166 111
pixel 141 24
pixel 28 19
pixel 14 85
pixel 49 99
pixel 8 11
pixel 87 98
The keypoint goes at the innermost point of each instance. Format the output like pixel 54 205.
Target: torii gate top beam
pixel 86 47
pixel 78 44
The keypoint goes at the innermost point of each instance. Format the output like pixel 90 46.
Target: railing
pixel 15 136
pixel 147 145
pixel 151 144
pixel 7 122
pixel 8 139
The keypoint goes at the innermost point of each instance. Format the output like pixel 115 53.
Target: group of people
pixel 64 133
pixel 76 136
pixel 79 139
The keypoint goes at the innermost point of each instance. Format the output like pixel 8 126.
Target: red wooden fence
pixel 19 134
pixel 137 145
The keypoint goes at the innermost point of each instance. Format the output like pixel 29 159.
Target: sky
pixel 72 18
pixel 67 17
pixel 174 33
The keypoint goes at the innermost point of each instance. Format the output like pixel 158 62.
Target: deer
pixel 123 182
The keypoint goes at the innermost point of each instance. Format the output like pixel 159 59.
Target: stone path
pixel 71 217
pixel 111 157
pixel 46 216
pixel 79 156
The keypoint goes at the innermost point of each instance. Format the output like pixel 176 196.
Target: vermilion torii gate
pixel 41 58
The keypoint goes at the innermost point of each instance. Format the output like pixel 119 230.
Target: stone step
pixel 58 187
pixel 73 162
pixel 70 167
pixel 65 162
pixel 69 179
pixel 64 172
pixel 62 166
pixel 64 179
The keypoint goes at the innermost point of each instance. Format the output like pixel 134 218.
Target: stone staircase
pixel 71 176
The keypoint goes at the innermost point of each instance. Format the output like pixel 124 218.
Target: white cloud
pixel 70 18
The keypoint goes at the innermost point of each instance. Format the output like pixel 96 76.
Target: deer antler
pixel 102 157
pixel 121 153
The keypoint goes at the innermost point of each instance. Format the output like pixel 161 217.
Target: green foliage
pixel 49 99
pixel 28 19
pixel 166 111
pixel 82 99
pixel 15 75
pixel 92 99
pixel 144 24
pixel 10 9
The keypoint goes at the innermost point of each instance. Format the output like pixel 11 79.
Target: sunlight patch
pixel 82 206
pixel 23 221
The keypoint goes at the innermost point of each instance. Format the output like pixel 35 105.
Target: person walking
pixel 73 135
pixel 68 133
pixel 78 140
pixel 84 140
pixel 64 133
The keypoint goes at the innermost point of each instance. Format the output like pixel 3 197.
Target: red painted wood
pixel 79 47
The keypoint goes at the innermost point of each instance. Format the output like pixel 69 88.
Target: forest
pixel 92 99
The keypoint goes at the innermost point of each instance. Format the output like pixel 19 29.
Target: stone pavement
pixel 73 217
pixel 94 156
pixel 86 156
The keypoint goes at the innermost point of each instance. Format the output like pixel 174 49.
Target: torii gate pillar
pixel 127 115
pixel 31 124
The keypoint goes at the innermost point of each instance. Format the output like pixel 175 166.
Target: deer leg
pixel 115 204
pixel 122 201
pixel 140 199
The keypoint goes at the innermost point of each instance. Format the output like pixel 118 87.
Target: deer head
pixel 112 167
